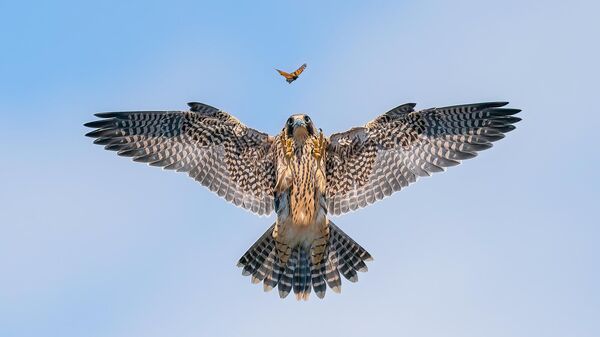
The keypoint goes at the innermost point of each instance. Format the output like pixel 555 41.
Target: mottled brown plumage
pixel 303 176
pixel 300 191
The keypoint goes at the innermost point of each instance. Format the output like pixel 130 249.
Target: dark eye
pixel 290 121
pixel 307 119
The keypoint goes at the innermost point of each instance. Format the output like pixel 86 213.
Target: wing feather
pixel 284 74
pixel 366 164
pixel 299 71
pixel 211 146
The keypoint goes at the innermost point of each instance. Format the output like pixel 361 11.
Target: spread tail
pixel 342 256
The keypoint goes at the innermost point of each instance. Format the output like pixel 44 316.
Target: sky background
pixel 92 244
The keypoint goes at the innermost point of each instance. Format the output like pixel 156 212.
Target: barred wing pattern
pixel 368 163
pixel 212 146
pixel 294 75
pixel 299 71
pixel 284 74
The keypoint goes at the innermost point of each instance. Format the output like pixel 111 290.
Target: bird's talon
pixel 319 146
pixel 288 148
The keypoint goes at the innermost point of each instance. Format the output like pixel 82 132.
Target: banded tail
pixel 342 256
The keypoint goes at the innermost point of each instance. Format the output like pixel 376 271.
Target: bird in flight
pixel 304 176
pixel 293 76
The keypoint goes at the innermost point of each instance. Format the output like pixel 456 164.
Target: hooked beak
pixel 300 129
pixel 299 122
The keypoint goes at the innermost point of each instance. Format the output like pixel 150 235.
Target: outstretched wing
pixel 284 74
pixel 210 145
pixel 368 163
pixel 299 70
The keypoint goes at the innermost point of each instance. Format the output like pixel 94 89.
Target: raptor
pixel 304 176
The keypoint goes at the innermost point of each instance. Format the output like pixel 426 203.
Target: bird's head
pixel 299 127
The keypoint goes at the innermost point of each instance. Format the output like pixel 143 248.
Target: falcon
pixel 293 76
pixel 304 176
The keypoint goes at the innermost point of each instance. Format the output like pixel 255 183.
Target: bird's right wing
pixel 211 146
pixel 299 70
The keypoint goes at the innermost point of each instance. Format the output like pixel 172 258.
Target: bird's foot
pixel 319 146
pixel 288 147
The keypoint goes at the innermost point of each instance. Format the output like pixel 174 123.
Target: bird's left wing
pixel 211 146
pixel 368 163
pixel 284 74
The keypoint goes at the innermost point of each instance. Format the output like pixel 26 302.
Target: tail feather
pixel 285 282
pixel 306 276
pixel 265 269
pixel 317 275
pixel 351 256
pixel 302 284
pixel 343 256
pixel 258 252
pixel 349 273
pixel 273 277
pixel 298 286
pixel 332 275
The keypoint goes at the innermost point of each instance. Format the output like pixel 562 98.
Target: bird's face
pixel 299 127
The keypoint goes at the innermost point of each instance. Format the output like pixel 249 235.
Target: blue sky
pixel 95 245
